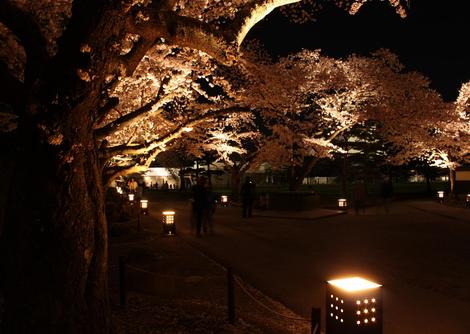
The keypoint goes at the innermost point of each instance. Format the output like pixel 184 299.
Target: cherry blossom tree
pixel 65 64
pixel 442 140
pixel 316 99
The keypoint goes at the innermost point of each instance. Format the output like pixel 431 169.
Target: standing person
pixel 132 185
pixel 387 193
pixel 200 204
pixel 359 197
pixel 211 205
pixel 248 193
pixel 139 189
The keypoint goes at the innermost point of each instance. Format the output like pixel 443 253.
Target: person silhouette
pixel 248 193
pixel 200 203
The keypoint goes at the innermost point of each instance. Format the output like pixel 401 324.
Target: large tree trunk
pixel 294 182
pixel 54 242
pixel 452 181
pixel 209 173
pixel 235 177
pixel 300 173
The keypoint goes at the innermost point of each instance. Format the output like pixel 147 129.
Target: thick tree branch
pixel 188 32
pixel 13 91
pixel 112 103
pixel 310 162
pixel 110 152
pixel 182 31
pixel 136 115
pixel 249 16
pixel 27 30
pixel 112 174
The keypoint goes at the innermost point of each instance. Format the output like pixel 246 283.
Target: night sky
pixel 431 40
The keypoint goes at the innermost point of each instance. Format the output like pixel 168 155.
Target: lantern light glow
pixel 354 284
pixel 144 206
pixel 168 222
pixel 355 306
pixel 342 202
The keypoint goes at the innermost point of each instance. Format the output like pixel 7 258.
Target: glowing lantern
pixel 468 200
pixel 224 200
pixel 144 206
pixel 440 196
pixel 131 197
pixel 168 222
pixel 119 190
pixel 342 202
pixel 353 306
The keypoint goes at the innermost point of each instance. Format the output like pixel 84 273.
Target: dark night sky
pixel 431 40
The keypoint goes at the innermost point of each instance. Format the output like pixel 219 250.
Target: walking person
pixel 248 193
pixel 200 204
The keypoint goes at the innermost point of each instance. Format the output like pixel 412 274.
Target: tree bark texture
pixel 54 242
pixel 452 180
pixel 235 177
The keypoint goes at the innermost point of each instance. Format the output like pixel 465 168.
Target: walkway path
pixel 420 252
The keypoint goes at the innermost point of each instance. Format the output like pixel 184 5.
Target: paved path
pixel 420 252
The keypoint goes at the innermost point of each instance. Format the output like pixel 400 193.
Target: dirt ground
pixel 173 288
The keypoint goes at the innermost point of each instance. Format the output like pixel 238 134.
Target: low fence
pixel 232 282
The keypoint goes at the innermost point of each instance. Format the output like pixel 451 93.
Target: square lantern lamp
pixel 131 197
pixel 342 203
pixel 144 206
pixel 168 222
pixel 440 195
pixel 353 306
pixel 224 200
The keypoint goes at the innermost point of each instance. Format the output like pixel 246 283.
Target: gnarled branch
pixel 136 115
